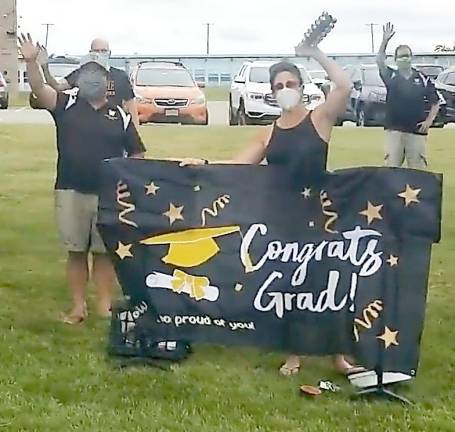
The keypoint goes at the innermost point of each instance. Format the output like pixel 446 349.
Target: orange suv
pixel 166 93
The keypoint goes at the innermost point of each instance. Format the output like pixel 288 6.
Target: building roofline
pixel 253 55
pixel 246 57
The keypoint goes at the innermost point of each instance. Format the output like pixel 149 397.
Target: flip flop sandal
pixel 353 370
pixel 73 319
pixel 287 370
pixel 310 390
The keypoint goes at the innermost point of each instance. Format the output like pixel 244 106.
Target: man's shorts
pixel 76 215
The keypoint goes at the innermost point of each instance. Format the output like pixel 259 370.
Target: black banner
pixel 249 255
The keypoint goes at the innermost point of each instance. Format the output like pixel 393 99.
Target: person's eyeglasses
pixel 289 84
pixel 101 51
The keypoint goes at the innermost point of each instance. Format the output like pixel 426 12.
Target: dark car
pixel 4 96
pixel 366 104
pixel 430 70
pixel 445 84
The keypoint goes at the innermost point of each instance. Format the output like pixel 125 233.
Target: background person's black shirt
pixel 118 85
pixel 85 137
pixel 408 100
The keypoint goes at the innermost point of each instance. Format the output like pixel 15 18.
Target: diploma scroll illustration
pixel 197 287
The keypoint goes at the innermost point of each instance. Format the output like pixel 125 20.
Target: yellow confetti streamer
pixel 217 205
pixel 122 194
pixel 369 314
pixel 331 215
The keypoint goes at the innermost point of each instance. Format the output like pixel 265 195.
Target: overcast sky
pixel 239 26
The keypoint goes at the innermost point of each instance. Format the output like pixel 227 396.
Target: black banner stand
pixel 380 389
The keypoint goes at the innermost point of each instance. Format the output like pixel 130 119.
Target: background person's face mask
pixel 92 85
pixel 403 63
pixel 288 98
pixel 103 52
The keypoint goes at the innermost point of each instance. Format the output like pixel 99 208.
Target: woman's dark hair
pixel 285 66
pixel 399 47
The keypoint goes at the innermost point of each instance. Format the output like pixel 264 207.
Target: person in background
pixel 89 129
pixel 412 104
pixel 119 90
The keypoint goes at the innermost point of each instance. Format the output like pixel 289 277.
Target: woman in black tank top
pixel 299 149
pixel 299 138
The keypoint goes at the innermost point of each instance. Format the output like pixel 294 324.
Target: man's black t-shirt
pixel 85 137
pixel 118 85
pixel 409 100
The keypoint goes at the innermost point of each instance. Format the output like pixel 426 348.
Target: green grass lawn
pixel 19 100
pixel 57 378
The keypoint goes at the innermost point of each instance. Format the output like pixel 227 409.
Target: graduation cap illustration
pixel 191 247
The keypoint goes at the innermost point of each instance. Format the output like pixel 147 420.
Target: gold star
pixel 306 193
pixel 151 189
pixel 174 213
pixel 124 251
pixel 197 188
pixel 393 261
pixel 389 337
pixel 410 195
pixel 372 212
pixel 238 287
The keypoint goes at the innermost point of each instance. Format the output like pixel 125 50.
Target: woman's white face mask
pixel 288 98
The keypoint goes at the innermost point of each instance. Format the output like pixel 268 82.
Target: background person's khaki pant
pixel 401 145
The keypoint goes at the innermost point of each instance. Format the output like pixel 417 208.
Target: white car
pixel 319 77
pixel 251 100
pixel 60 70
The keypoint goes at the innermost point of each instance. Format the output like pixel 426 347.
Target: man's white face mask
pixel 288 98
